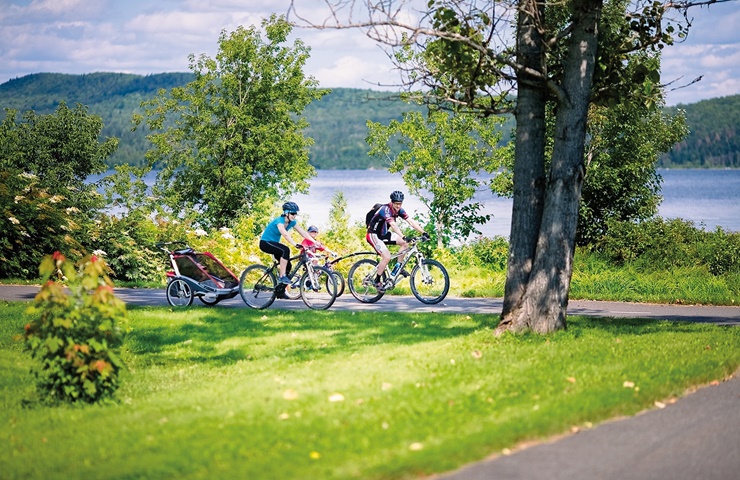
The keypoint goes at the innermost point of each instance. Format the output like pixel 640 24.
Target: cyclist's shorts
pixel 380 242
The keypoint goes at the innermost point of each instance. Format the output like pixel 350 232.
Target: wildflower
pixel 99 253
pixel 29 176
pixel 18 198
pixel 200 232
pixel 72 210
pixel 14 220
pixel 56 199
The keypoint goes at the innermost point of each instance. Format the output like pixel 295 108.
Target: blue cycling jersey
pixel 271 233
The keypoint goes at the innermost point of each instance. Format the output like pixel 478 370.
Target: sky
pixel 145 37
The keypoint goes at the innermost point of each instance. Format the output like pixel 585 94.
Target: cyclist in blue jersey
pixel 383 230
pixel 279 228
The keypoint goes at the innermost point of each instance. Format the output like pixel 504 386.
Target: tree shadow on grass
pixel 228 336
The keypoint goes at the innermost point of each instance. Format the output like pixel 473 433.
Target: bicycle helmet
pixel 397 196
pixel 313 228
pixel 290 207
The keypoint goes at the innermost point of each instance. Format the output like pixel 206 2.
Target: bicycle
pixel 429 280
pixel 258 285
pixel 326 260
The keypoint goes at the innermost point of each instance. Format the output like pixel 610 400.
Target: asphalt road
pixel 694 313
pixel 695 438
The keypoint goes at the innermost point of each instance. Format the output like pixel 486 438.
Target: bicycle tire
pixel 179 293
pixel 257 286
pixel 210 303
pixel 361 281
pixel 339 279
pixel 429 282
pixel 321 294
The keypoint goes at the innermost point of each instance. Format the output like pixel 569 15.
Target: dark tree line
pixel 337 121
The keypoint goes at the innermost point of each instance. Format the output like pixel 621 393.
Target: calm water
pixel 709 198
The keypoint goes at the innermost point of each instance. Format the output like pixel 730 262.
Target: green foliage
pixel 657 244
pixel 74 338
pixel 233 136
pixel 440 158
pixel 492 253
pixel 714 135
pixel 45 202
pixel 127 242
pixel 114 97
pixel 621 182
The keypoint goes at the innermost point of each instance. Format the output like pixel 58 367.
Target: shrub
pixel 483 251
pixel 75 337
pixel 659 244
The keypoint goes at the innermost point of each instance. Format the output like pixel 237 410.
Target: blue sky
pixel 143 36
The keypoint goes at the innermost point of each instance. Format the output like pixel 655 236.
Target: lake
pixel 709 198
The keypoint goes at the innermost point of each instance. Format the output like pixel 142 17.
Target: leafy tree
pixel 568 55
pixel 621 182
pixel 44 199
pixel 233 137
pixel 440 160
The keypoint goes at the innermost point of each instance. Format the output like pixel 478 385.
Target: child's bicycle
pixel 259 287
pixel 328 260
pixel 428 280
pixel 197 274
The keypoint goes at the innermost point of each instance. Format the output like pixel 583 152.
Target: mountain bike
pixel 428 280
pixel 258 285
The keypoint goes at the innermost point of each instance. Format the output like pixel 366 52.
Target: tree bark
pixel 543 304
pixel 529 166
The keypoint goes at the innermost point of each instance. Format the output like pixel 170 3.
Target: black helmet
pixel 290 207
pixel 397 196
pixel 313 228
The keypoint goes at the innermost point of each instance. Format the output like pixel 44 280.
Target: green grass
pixel 236 393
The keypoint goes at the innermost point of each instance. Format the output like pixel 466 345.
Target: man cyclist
pixel 270 240
pixel 383 230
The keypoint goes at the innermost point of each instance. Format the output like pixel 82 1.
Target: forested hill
pixel 714 138
pixel 338 120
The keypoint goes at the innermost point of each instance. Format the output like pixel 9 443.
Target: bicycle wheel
pixel 293 291
pixel 210 303
pixel 430 282
pixel 257 286
pixel 320 292
pixel 339 280
pixel 361 281
pixel 179 293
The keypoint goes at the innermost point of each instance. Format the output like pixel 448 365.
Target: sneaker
pixel 380 287
pixel 284 280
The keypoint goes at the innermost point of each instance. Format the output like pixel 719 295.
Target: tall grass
pixel 235 393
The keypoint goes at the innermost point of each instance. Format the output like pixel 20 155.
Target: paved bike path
pixel 719 315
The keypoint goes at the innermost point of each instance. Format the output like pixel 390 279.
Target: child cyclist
pixel 279 228
pixel 314 245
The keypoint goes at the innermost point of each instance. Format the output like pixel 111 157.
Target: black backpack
pixel 369 216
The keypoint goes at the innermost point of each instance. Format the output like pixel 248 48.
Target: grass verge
pixel 229 393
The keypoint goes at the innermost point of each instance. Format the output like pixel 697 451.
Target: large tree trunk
pixel 544 303
pixel 529 166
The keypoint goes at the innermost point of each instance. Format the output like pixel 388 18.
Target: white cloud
pixel 140 36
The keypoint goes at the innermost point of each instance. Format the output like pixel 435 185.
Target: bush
pixel 659 244
pixel 75 337
pixel 489 252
